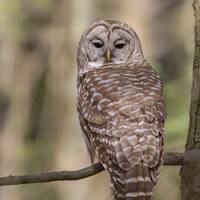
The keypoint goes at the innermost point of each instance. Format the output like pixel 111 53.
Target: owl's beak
pixel 108 55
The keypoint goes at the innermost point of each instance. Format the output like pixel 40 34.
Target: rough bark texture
pixel 190 173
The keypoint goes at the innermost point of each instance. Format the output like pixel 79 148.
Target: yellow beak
pixel 108 55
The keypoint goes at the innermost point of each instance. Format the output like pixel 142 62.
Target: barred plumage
pixel 122 113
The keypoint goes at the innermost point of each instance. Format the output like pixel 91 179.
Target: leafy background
pixel 39 129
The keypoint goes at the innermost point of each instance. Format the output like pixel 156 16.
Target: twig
pixel 169 159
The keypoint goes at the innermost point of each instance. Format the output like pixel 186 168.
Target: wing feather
pixel 123 109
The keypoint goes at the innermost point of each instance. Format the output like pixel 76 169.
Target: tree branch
pixel 169 159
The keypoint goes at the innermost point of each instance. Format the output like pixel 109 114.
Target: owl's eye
pixel 98 43
pixel 119 44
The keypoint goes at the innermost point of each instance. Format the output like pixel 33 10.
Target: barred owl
pixel 120 107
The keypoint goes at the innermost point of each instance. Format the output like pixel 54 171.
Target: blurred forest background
pixel 39 129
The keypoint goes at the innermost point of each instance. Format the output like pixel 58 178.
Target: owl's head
pixel 108 42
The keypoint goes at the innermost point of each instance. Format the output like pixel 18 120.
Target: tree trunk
pixel 190 174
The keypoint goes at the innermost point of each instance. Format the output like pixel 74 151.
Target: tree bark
pixel 190 173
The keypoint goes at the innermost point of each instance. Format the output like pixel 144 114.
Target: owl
pixel 120 108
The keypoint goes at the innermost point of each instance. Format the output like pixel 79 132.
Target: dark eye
pixel 120 44
pixel 98 43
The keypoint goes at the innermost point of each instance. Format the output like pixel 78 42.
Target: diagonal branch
pixel 169 159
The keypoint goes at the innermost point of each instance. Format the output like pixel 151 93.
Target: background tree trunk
pixel 190 174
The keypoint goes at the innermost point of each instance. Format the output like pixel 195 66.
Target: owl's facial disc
pixel 96 45
pixel 111 43
pixel 121 44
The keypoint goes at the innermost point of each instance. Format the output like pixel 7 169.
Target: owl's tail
pixel 138 184
pixel 135 184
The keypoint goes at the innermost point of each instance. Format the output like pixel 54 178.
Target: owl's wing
pixel 89 117
pixel 93 117
pixel 122 123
